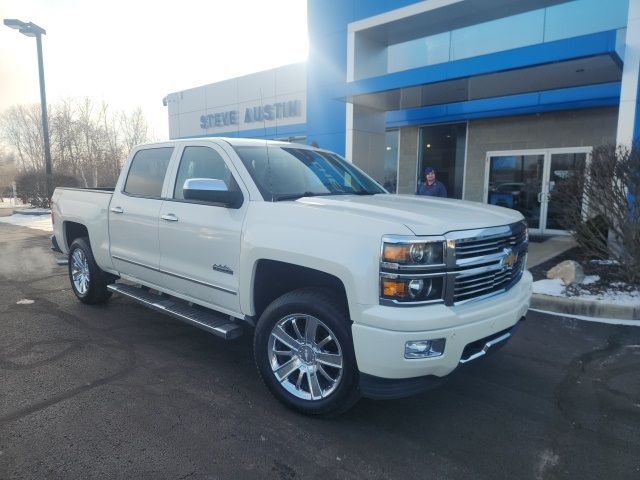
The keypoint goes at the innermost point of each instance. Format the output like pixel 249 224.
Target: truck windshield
pixel 288 173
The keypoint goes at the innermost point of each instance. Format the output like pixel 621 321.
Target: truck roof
pixel 244 142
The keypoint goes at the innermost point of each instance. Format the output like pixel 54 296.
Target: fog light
pixel 424 348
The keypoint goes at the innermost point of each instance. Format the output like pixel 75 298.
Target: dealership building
pixel 501 97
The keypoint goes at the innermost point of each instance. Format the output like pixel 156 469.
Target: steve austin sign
pixel 262 113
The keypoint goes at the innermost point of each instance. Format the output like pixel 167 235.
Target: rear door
pixel 134 214
pixel 199 241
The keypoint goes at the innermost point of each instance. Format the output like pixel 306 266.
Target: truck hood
pixel 422 215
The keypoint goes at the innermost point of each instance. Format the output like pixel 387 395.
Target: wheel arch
pixel 73 230
pixel 274 278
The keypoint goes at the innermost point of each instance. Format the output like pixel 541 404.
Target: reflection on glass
pixel 563 166
pixel 515 182
pixel 565 20
pixel 581 17
pixel 418 53
pixel 390 178
pixel 497 35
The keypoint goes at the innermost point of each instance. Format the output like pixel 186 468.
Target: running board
pixel 217 324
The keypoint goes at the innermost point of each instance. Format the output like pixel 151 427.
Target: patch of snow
pixel 37 211
pixel 591 279
pixel 617 295
pixel 553 287
pixel 39 222
pixel 605 262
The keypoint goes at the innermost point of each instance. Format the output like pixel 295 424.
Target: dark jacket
pixel 437 189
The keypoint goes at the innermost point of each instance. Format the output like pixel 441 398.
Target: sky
pixel 132 53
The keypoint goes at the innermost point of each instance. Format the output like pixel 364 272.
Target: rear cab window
pixel 147 171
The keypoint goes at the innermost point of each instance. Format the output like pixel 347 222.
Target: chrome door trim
pixel 193 280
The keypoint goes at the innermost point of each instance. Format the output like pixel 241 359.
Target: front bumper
pixel 380 333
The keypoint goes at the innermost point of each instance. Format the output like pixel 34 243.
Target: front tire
pixel 88 281
pixel 304 352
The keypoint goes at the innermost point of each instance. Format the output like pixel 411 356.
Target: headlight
pixel 427 289
pixel 414 253
pixel 412 269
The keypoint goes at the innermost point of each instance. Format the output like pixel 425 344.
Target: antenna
pixel 266 144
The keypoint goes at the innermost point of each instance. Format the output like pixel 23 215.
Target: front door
pixel 200 242
pixel 525 180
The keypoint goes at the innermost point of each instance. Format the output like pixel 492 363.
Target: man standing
pixel 431 187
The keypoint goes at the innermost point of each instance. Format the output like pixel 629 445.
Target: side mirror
pixel 211 190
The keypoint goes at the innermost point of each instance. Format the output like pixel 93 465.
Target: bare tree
pixel 89 141
pixel 134 128
pixel 23 132
pixel 601 207
pixel 8 171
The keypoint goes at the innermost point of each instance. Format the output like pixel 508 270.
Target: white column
pixel 631 70
pixel 365 139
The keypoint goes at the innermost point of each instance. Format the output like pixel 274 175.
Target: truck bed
pixel 88 207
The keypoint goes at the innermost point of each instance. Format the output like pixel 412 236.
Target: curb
pixel 587 308
pixel 26 211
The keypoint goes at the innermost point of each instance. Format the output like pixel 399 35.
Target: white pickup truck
pixel 348 290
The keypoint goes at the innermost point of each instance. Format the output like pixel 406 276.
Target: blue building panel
pixel 369 9
pixel 636 127
pixel 325 17
pixel 331 16
pixel 561 50
pixel 591 96
pixel 326 67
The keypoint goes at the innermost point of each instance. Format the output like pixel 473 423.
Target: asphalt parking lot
pixel 119 391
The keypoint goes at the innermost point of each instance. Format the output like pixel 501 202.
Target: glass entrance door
pixel 515 181
pixel 526 180
pixel 561 167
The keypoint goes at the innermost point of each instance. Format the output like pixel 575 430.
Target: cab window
pixel 202 162
pixel 147 171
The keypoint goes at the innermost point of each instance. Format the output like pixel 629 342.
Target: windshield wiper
pixel 294 196
pixel 365 192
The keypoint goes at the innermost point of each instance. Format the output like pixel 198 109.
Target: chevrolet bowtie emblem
pixel 510 257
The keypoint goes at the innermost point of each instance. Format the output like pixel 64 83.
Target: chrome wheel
pixel 305 357
pixel 80 271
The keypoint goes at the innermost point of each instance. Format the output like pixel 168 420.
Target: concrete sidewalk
pixel 540 252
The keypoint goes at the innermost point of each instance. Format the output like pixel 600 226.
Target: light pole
pixel 32 30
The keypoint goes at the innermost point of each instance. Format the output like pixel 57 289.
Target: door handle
pixel 117 209
pixel 169 217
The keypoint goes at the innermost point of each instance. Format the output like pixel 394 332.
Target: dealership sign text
pixel 262 113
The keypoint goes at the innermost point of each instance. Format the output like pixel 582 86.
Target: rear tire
pixel 304 352
pixel 88 281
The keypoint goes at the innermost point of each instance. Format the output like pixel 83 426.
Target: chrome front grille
pixel 489 262
pixel 474 247
pixel 470 286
